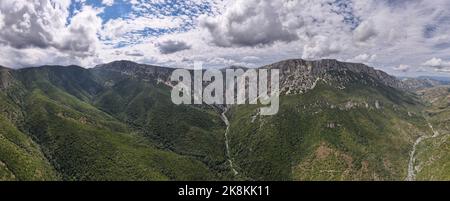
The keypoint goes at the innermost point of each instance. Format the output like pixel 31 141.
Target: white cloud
pixel 437 63
pixel 172 46
pixel 321 47
pixel 316 26
pixel 250 23
pixel 251 58
pixel 80 36
pixel 252 32
pixel 108 2
pixel 28 24
pixel 402 68
pixel 39 31
pixel 365 31
pixel 117 29
pixel 2 23
pixel 363 58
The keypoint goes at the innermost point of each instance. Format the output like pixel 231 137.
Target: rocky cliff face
pixel 298 76
pixel 6 79
pixel 140 71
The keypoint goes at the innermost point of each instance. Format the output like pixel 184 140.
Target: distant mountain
pixel 298 76
pixel 424 82
pixel 337 121
pixel 442 79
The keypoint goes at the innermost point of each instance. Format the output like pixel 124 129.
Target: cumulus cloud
pixel 437 64
pixel 172 46
pixel 393 35
pixel 28 24
pixel 401 23
pixel 32 57
pixel 80 36
pixel 321 47
pixel 42 24
pixel 250 23
pixel 108 2
pixel 365 31
pixel 402 68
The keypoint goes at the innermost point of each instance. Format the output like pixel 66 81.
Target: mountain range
pixel 116 121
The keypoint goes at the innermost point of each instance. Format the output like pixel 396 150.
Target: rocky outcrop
pixel 6 78
pixel 140 71
pixel 298 76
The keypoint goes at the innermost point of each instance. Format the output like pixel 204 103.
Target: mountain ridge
pixel 337 121
pixel 314 67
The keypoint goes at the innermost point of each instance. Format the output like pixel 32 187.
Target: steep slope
pixel 20 157
pixel 139 97
pixel 433 158
pixel 298 76
pixel 337 121
pixel 82 142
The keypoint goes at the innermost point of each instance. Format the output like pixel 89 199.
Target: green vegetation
pixel 433 158
pixel 193 131
pixel 20 157
pixel 360 133
pixel 77 141
pixel 70 123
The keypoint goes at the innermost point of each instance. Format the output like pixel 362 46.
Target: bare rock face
pixel 298 76
pixel 6 79
pixel 140 71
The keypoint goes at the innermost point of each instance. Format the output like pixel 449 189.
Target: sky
pixel 401 37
